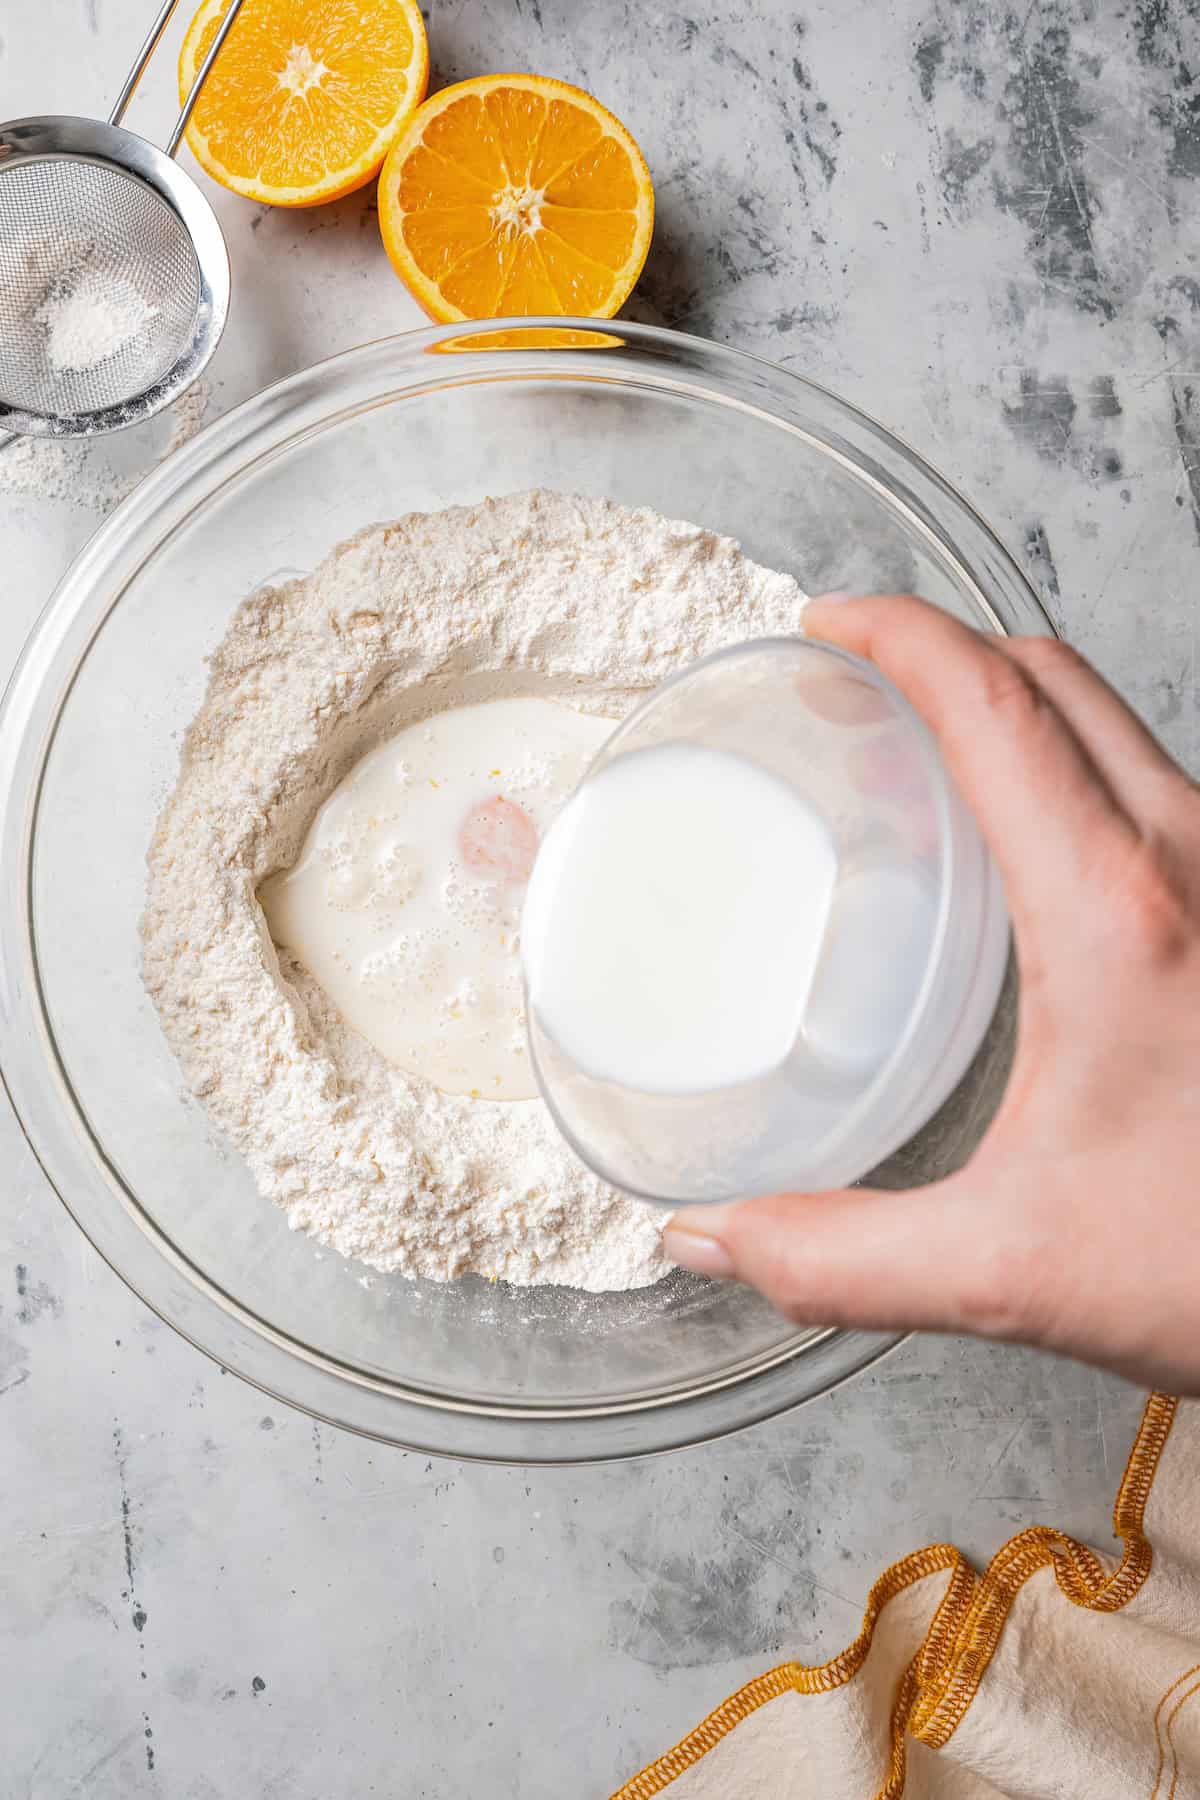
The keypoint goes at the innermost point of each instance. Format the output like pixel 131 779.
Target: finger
pixel 1020 767
pixel 1132 760
pixel 918 1261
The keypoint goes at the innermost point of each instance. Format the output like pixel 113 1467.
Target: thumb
pixel 933 1259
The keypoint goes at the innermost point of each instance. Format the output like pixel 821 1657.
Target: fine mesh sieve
pixel 114 278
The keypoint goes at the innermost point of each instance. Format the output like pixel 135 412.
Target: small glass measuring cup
pixel 908 970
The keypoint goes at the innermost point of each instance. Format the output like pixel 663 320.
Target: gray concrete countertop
pixel 979 224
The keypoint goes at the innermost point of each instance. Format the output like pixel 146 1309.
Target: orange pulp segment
pixel 516 194
pixel 306 96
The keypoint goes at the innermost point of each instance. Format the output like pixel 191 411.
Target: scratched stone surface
pixel 980 224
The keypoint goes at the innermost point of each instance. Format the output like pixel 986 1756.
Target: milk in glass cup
pixel 763 939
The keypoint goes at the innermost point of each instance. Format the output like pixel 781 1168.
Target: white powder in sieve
pixel 90 315
pixel 537 593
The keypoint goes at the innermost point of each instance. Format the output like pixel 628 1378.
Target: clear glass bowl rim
pixel 34 1077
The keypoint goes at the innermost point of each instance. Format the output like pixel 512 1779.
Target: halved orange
pixel 527 337
pixel 306 97
pixel 516 194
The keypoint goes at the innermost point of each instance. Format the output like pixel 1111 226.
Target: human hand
pixel 1076 1224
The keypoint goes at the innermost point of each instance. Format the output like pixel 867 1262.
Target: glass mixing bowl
pixel 89 742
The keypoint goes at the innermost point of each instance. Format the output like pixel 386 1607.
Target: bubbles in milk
pixel 405 900
pixel 364 873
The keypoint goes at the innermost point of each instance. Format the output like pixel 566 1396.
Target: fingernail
pixel 830 599
pixel 696 1251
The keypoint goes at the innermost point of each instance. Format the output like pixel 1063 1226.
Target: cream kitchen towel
pixel 1057 1674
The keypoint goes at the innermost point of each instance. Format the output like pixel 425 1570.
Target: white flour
pixel 535 593
pixel 89 316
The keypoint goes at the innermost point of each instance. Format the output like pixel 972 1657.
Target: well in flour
pixel 540 595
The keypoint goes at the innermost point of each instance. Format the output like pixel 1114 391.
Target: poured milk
pixel 675 920
pixel 405 901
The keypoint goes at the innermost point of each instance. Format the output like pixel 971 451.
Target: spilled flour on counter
pixel 537 594
pixel 98 473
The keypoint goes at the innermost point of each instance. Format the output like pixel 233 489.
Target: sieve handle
pixel 214 49
pixel 153 39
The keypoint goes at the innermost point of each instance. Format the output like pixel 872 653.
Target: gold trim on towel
pixel 1165 1740
pixel 943 1678
pixel 1079 1572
